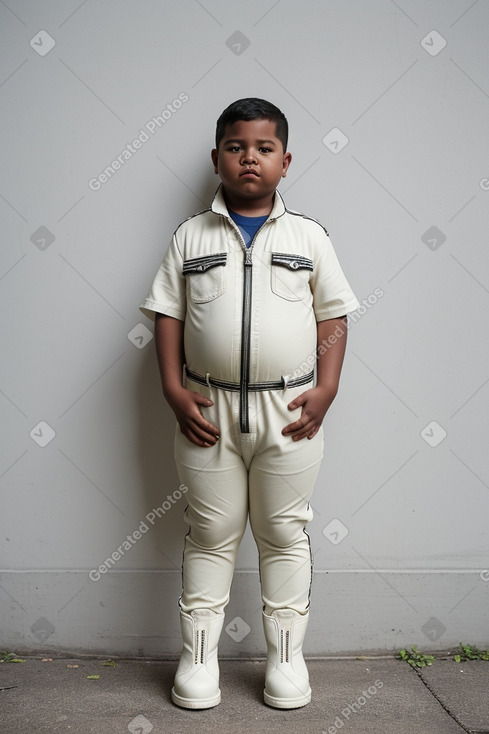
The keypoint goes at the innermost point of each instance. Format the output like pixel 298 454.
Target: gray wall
pixel 401 505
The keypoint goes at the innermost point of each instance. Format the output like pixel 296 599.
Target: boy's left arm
pixel 315 402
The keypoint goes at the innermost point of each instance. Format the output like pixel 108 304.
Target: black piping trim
pixel 311 219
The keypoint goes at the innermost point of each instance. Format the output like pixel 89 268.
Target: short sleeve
pixel 332 294
pixel 167 294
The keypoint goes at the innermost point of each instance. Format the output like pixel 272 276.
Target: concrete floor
pixel 352 696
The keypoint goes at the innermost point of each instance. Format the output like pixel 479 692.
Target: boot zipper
pixel 284 645
pixel 199 646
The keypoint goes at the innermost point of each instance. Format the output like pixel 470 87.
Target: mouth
pixel 249 172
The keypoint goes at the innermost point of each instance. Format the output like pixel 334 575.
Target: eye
pixel 234 149
pixel 266 150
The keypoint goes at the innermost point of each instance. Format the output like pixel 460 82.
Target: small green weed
pixel 470 652
pixel 9 657
pixel 416 658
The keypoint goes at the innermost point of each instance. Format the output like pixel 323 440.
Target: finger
pixel 298 424
pixel 299 435
pixel 199 439
pixel 201 429
pixel 292 427
pixel 313 433
pixel 202 399
pixel 303 430
pixel 199 419
pixel 296 402
pixel 204 425
pixel 205 435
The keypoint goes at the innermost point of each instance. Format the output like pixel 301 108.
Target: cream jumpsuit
pixel 250 340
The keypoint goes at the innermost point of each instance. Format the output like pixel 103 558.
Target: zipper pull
pixel 247 260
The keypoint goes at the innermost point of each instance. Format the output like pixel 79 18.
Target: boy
pixel 249 297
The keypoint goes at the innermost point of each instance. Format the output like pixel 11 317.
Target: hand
pixel 315 403
pixel 185 404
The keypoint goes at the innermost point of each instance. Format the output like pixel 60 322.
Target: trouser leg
pixel 217 496
pixel 281 481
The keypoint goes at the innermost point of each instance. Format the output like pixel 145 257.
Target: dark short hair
pixel 252 108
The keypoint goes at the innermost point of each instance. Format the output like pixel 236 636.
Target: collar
pixel 218 205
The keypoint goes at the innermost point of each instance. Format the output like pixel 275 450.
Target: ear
pixel 286 163
pixel 214 157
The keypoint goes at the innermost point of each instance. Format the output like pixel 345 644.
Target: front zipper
pixel 244 421
pixel 244 376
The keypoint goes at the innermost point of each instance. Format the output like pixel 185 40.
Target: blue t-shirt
pixel 248 226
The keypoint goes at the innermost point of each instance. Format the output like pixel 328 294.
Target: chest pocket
pixel 290 275
pixel 205 276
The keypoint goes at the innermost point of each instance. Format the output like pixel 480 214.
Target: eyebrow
pixel 237 140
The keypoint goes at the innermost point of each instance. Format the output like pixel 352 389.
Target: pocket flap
pixel 201 264
pixel 292 262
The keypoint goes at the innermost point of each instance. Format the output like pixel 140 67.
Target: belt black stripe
pixel 252 386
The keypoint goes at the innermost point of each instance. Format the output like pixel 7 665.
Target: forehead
pixel 252 130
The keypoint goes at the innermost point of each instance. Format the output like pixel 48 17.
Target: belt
pixel 281 384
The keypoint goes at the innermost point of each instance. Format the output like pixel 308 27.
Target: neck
pixel 258 208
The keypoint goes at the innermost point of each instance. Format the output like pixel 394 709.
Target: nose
pixel 248 156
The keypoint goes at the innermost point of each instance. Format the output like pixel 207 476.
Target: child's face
pixel 250 161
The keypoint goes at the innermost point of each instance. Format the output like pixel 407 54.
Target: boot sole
pixel 195 703
pixel 287 703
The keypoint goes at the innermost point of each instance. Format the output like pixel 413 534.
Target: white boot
pixel 286 676
pixel 197 678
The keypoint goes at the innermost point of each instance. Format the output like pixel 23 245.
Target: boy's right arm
pixel 184 403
